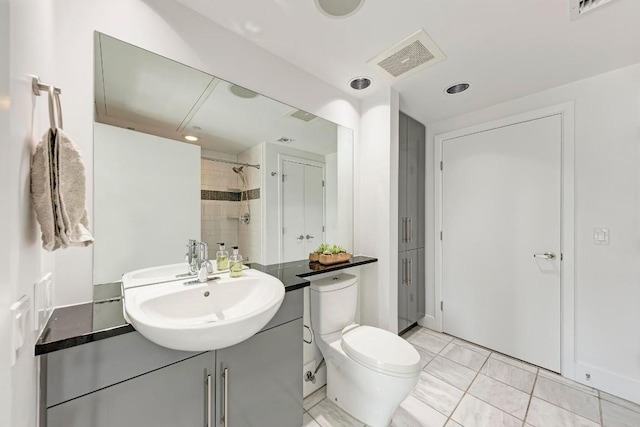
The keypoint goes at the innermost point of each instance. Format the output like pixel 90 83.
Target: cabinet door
pixel 415 201
pixel 420 292
pixel 263 378
pixel 415 285
pixel 403 321
pixel 421 219
pixel 402 185
pixel 175 395
pixel 412 286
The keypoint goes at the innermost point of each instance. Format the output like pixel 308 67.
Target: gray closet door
pixel 403 319
pixel 172 396
pixel 415 184
pixel 402 186
pixel 264 380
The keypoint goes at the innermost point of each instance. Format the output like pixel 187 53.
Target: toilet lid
pixel 380 350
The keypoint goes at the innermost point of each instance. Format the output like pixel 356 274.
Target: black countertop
pixel 92 321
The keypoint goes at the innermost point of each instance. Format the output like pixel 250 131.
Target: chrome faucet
pixel 197 257
pixel 204 258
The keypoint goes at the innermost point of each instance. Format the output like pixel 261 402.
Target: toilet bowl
pixel 370 371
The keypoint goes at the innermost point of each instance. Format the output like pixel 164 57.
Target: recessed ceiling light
pixel 339 8
pixel 191 138
pixel 457 88
pixel 360 83
pixel 242 92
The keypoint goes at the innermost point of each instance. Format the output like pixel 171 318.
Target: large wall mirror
pixel 180 154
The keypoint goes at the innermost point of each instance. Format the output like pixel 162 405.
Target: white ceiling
pixel 504 48
pixel 138 89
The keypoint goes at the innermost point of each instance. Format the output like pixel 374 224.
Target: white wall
pixel 377 207
pixel 5 244
pixel 23 260
pixel 169 29
pixel 147 201
pixel 607 180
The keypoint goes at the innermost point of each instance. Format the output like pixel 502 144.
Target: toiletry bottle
pixel 222 258
pixel 235 263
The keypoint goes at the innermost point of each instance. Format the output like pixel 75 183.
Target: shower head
pixel 238 169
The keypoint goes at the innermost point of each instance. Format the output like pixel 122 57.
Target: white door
pixel 302 209
pixel 501 217
pixel 313 207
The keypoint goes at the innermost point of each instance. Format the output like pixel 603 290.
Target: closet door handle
pixel 410 271
pixel 406 273
pixel 300 237
pixel 410 232
pixel 404 229
pixel 209 400
pixel 225 415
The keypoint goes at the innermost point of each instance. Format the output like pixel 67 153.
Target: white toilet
pixel 370 371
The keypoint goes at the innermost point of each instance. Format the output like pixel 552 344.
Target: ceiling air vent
pixel 580 7
pixel 411 55
pixel 302 115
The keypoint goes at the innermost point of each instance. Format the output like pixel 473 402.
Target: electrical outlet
pixel 42 302
pixel 19 326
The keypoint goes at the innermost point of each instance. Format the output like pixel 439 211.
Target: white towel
pixel 58 192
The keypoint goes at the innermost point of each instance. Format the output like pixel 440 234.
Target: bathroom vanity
pixel 96 370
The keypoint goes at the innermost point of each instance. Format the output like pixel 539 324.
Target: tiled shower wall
pixel 219 217
pixel 222 205
pixel 250 235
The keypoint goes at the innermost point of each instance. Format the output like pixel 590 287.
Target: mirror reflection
pixel 181 154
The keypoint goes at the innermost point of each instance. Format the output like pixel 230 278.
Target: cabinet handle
pixel 225 415
pixel 404 227
pixel 410 232
pixel 404 264
pixel 410 271
pixel 209 400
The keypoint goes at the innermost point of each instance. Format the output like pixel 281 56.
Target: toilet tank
pixel 333 302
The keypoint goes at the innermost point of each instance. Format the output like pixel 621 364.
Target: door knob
pixel 300 237
pixel 309 237
pixel 546 255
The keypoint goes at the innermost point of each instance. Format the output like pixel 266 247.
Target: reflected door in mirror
pixel 303 209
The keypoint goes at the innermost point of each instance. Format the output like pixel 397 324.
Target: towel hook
pixel 54 96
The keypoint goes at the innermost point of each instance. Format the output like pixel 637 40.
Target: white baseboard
pixel 618 385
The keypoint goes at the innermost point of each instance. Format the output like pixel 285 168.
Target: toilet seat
pixel 380 350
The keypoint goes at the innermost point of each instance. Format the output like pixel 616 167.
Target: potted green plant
pixel 315 255
pixel 334 255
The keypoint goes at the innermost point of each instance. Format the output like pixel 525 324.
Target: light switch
pixel 600 236
pixel 19 327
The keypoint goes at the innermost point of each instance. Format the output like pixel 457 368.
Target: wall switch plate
pixel 19 324
pixel 42 302
pixel 600 236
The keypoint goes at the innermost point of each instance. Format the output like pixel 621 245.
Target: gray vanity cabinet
pixel 411 222
pixel 175 395
pixel 260 390
pixel 127 381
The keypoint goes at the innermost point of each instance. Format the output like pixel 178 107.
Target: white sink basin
pixel 204 316
pixel 163 273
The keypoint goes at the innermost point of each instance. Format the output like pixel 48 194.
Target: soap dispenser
pixel 222 258
pixel 235 262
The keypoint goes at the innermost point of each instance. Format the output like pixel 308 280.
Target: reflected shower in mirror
pixel 180 154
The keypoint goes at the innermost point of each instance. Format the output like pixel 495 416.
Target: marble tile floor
pixel 463 385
